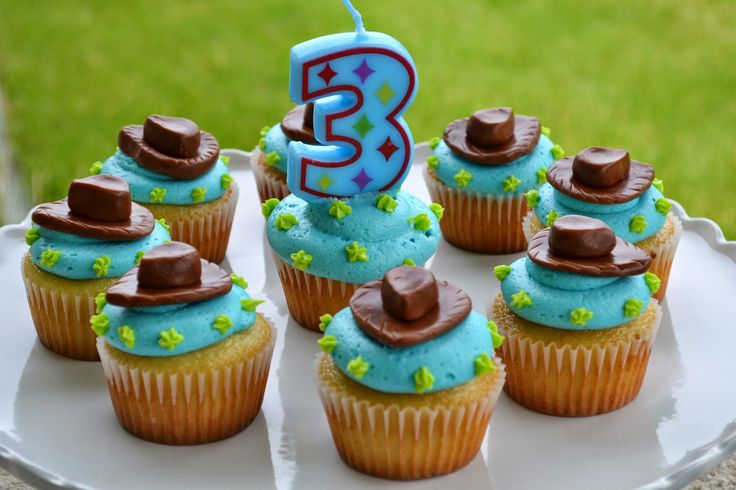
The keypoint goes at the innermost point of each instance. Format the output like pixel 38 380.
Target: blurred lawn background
pixel 657 77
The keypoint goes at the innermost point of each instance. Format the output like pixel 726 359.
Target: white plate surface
pixel 58 429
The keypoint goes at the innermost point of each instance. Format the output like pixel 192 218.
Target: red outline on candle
pixel 391 117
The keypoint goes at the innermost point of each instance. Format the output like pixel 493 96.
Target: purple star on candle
pixel 362 179
pixel 327 74
pixel 363 71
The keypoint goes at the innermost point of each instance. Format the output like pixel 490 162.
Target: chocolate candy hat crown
pixel 493 136
pixel 601 175
pixel 97 207
pixel 172 146
pixel 297 124
pixel 408 306
pixel 171 273
pixel 587 246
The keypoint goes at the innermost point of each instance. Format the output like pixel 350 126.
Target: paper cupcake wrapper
pixel 169 407
pixel 405 443
pixel 269 182
pixel 575 381
pixel 309 297
pixel 62 321
pixel 479 222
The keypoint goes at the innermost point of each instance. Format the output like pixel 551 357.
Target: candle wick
pixel 357 18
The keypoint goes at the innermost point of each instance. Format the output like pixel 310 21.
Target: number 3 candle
pixel 361 84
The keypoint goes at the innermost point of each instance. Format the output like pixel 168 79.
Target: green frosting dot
pixel 138 256
pixel 386 203
pixel 102 266
pixel 238 280
pixel 437 210
pixel 96 168
pixel 268 206
pixel 100 324
pixel 433 161
pixel 434 142
pixel 284 221
pixel 225 159
pixel 420 222
pixel 653 282
pixel 250 304
pixel 580 316
pixel 510 183
pixel 552 217
pixel 100 302
pixel 423 379
pixel 662 205
pixel 127 336
pixel 272 158
pixel 521 299
pixel 262 144
pixel 157 195
pixel 659 185
pixel 32 234
pixel 463 178
pixel 408 262
pixel 356 252
pixel 264 131
pixel 483 364
pixel 50 257
pixel 496 336
pixel 546 131
pixel 198 194
pixel 301 259
pixel 358 367
pixel 638 224
pixel 532 198
pixel 327 343
pixel 162 222
pixel 541 175
pixel 226 181
pixel 632 307
pixel 168 339
pixel 324 321
pixel 557 152
pixel 501 271
pixel 339 209
pixel 223 323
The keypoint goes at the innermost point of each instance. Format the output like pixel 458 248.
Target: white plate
pixel 58 429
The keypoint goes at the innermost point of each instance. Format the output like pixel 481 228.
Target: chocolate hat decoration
pixel 172 146
pixel 601 175
pixel 408 306
pixel 587 246
pixel 297 124
pixel 493 136
pixel 97 207
pixel 171 273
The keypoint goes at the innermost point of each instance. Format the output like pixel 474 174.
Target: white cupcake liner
pixel 268 184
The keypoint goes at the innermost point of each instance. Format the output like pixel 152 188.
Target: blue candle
pixel 361 83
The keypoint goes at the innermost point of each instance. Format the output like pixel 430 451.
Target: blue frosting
pixel 556 294
pixel 178 191
pixel 450 357
pixel 388 237
pixel 78 254
pixel 193 321
pixel 277 141
pixel 488 179
pixel 616 216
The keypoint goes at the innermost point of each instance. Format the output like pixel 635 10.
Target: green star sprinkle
pixel 434 142
pixel 420 222
pixel 100 302
pixel 102 266
pixel 386 203
pixel 496 336
pixel 510 183
pixel 546 131
pixel 198 194
pixel 100 324
pixel 532 198
pixel 653 282
pixel 358 367
pixel 96 168
pixel 264 131
pixel 157 195
pixel 662 205
pixel 557 152
pixel 580 316
pixel 659 185
pixel 437 209
pixel 222 323
pixel 541 175
pixel 301 259
pixel 163 223
pixel 638 224
pixel 250 304
pixel 272 158
pixel 327 343
pixel 483 364
pixel 268 206
pixel 239 281
pixel 363 126
pixel 225 159
pixel 463 178
pixel 170 338
pixel 632 307
pixel 356 252
pixel 521 299
pixel 50 257
pixel 324 321
pixel 127 336
pixel 262 144
pixel 284 221
pixel 138 256
pixel 501 271
pixel 433 161
pixel 552 217
pixel 385 93
pixel 409 262
pixel 325 182
pixel 32 234
pixel 226 181
pixel 423 379
pixel 339 209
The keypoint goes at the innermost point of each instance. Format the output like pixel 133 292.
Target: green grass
pixel 656 77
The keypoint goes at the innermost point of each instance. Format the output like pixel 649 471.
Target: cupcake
pixel 176 171
pixel 479 172
pixel 578 318
pixel 408 378
pixel 184 352
pixel 78 246
pixel 269 158
pixel 606 184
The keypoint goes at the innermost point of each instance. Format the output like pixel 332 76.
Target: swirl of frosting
pixel 633 221
pixel 450 358
pixel 573 301
pixel 153 188
pixel 277 144
pixel 355 240
pixel 513 178
pixel 80 258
